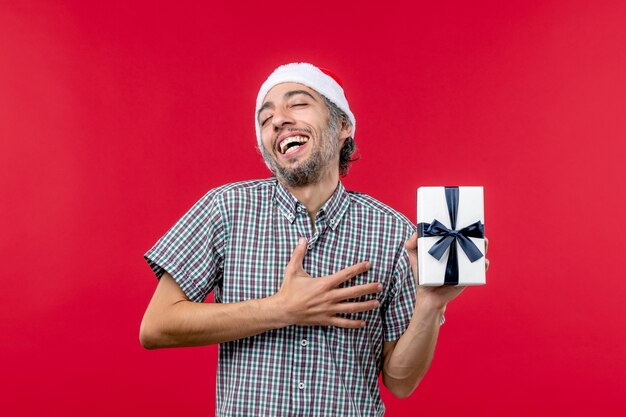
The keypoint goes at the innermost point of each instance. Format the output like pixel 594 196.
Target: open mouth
pixel 291 144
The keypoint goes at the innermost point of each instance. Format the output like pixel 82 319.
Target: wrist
pixel 427 303
pixel 427 311
pixel 426 316
pixel 275 311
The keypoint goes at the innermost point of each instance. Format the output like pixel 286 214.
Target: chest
pixel 260 247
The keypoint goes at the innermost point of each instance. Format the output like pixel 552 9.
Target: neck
pixel 313 196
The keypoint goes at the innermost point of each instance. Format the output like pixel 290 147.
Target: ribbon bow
pixel 449 237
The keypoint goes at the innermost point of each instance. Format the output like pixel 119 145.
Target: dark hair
pixel 337 119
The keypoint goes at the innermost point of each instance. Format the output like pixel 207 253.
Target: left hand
pixel 437 297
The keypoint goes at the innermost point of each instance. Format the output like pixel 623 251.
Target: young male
pixel 314 286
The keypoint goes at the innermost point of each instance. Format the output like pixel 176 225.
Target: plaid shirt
pixel 237 240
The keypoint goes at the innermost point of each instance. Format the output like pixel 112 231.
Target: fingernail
pixel 301 241
pixel 380 287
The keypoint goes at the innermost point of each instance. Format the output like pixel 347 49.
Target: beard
pixel 310 170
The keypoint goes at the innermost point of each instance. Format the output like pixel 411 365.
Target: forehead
pixel 278 92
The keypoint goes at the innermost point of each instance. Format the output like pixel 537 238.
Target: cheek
pixel 266 140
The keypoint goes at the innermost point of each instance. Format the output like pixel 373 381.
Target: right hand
pixel 308 301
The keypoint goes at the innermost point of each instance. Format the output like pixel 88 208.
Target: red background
pixel 116 118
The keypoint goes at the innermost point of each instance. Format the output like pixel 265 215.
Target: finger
pixel 353 307
pixel 356 291
pixel 346 323
pixel 486 264
pixel 411 250
pixel 486 245
pixel 411 244
pixel 295 263
pixel 348 273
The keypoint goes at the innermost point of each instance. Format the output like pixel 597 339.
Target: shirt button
pixel 304 342
pixel 299 209
pixel 309 247
pixel 332 221
pixel 301 385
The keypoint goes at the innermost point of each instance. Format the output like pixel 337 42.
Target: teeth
pixel 284 145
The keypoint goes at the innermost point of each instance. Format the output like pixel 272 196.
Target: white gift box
pixel 435 206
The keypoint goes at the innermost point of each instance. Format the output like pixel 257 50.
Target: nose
pixel 281 118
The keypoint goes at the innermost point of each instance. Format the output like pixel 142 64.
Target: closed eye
pixel 267 119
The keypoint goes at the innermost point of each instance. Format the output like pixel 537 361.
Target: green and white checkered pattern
pixel 237 240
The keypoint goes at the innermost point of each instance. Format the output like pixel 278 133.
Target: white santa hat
pixel 321 80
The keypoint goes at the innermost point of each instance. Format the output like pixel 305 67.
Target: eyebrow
pixel 286 96
pixel 292 93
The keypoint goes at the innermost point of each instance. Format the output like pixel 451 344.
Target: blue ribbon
pixel 449 237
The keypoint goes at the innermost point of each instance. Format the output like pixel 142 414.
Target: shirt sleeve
pixel 401 298
pixel 192 251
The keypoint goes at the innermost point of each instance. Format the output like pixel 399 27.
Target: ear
pixel 345 132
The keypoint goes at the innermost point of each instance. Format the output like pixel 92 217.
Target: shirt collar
pixel 336 206
pixel 333 209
